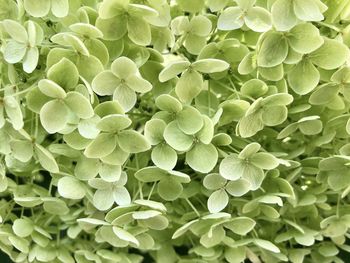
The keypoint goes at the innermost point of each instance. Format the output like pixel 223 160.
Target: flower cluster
pixel 174 131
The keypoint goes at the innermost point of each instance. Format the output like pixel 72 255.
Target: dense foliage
pixel 174 131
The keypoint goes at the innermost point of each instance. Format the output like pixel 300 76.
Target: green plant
pixel 174 131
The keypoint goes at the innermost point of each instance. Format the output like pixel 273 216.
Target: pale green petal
pixel 305 38
pixel 330 55
pixel 189 120
pixel 164 157
pixel 273 50
pixel 210 65
pixel 202 157
pixel 133 142
pixel 124 67
pixel 125 96
pixel 79 104
pixel 176 138
pixel 103 145
pixel 139 31
pixel 258 19
pixel 64 73
pixel 172 70
pixel 217 201
pixel 71 188
pixel 54 116
pixel 30 60
pixel 307 10
pixel 189 85
pixel 60 8
pixel 283 16
pixel 16 31
pixel 37 8
pixel 304 77
pixel 14 51
pixel 231 18
pixel 105 83
pixel 231 167
pixel 138 84
pixel 51 89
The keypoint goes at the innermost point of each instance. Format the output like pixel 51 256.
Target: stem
pixel 192 206
pixel 151 192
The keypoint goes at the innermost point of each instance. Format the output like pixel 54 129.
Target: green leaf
pixel 22 227
pixel 304 77
pixel 231 18
pixel 103 145
pixel 176 138
pixel 164 156
pixel 54 116
pixel 210 65
pixel 69 187
pixel 169 189
pixel 37 8
pixel 46 159
pixel 79 104
pixel 189 85
pixel 133 142
pixel 202 157
pixel 64 73
pixel 283 16
pixel 273 50
pixel 305 38
pixel 331 55
pixel 217 201
pixel 173 69
pixel 258 19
